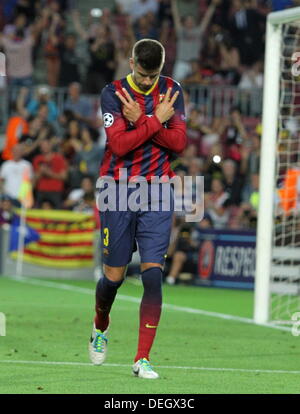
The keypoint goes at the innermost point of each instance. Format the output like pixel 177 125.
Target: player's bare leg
pixel 150 310
pixel 106 291
pixel 179 258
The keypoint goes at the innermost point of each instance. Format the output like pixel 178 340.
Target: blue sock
pixel 106 291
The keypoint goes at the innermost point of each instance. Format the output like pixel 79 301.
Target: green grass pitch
pixel 49 323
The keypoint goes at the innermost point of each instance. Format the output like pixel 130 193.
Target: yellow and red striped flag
pixel 63 239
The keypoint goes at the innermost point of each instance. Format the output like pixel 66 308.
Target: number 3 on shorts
pixel 106 236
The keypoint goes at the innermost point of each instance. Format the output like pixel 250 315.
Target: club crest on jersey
pixel 161 97
pixel 108 120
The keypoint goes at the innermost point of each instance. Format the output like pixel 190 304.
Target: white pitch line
pixel 254 371
pixel 63 286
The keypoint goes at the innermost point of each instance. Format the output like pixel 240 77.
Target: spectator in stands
pixel 188 104
pixel 247 215
pixel 252 77
pixel 198 74
pixel 233 134
pixel 12 172
pixel 76 196
pixel 101 39
pixel 16 126
pixel 44 126
pixel 121 21
pixel 87 204
pixel 102 60
pixel 189 38
pixel 123 53
pixel 20 23
pixel 79 105
pixel 199 132
pixel 6 210
pixel 96 24
pixel 18 48
pixel 125 6
pixel 145 29
pixel 229 61
pixel 164 13
pixel 38 131
pixel 233 182
pixel 47 205
pixel 64 119
pixel 50 174
pixel 88 154
pixel 194 128
pixel 210 54
pixel 140 8
pixel 69 61
pixel 184 251
pixel 167 38
pixel 1 17
pixel 195 167
pixel 71 141
pixel 193 185
pixel 209 137
pixel 215 202
pixel 247 27
pixel 42 97
pixel 182 163
pixel 53 29
pixel 186 245
pixel 27 8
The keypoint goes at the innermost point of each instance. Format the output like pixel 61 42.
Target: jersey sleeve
pixel 119 140
pixel 173 136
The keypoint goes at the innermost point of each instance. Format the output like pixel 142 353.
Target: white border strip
pixel 86 364
pixel 64 286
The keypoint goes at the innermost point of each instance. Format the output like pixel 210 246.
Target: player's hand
pixel 164 111
pixel 131 108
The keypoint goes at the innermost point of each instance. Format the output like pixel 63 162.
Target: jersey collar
pixel 136 88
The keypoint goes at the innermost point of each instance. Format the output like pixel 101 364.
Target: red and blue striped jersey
pixel 147 147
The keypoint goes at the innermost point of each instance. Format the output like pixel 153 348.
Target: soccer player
pixel 145 125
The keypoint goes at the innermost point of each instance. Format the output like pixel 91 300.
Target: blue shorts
pixel 122 232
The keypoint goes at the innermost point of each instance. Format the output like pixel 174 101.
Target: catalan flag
pixel 55 238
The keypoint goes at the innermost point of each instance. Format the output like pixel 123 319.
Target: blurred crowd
pixel 217 42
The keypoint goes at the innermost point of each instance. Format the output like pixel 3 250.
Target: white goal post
pixel 267 249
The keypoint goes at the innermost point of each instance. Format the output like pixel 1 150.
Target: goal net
pixel 277 284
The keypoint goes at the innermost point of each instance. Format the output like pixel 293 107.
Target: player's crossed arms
pixel 163 111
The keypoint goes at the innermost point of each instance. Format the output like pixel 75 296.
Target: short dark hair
pixel 149 53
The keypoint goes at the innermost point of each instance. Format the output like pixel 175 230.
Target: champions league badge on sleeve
pixel 108 120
